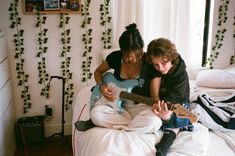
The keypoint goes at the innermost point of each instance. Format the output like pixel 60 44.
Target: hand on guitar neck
pixel 161 109
pixel 177 108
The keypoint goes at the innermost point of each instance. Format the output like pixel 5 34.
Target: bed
pixel 203 141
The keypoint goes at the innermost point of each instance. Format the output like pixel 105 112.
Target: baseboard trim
pixel 56 128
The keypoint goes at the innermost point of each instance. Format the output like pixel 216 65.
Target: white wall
pixel 7 108
pixel 53 60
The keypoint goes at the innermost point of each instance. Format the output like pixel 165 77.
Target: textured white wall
pixel 7 108
pixel 53 60
pixel 228 48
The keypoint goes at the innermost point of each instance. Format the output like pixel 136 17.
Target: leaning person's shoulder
pixel 117 53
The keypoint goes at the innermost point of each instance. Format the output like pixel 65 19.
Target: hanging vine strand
pixel 66 59
pixel 105 21
pixel 42 50
pixel 18 39
pixel 87 41
pixel 232 59
pixel 219 37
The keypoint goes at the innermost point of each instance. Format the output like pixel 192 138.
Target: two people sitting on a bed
pixel 161 74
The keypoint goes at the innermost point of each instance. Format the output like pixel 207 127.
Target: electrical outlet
pixel 49 111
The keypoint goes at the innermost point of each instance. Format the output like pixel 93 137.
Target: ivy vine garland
pixel 219 37
pixel 105 21
pixel 18 39
pixel 232 59
pixel 66 59
pixel 42 50
pixel 87 41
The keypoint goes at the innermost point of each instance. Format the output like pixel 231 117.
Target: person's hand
pixel 160 109
pixel 107 92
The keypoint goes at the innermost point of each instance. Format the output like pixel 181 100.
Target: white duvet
pixel 108 142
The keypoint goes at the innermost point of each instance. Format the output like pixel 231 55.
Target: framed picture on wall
pixel 51 4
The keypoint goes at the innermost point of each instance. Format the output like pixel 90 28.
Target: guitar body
pixel 109 78
pixel 122 91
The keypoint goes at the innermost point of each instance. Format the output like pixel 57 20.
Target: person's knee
pixel 156 121
pixel 96 114
pixel 149 119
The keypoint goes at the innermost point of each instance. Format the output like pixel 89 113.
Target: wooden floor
pixel 56 147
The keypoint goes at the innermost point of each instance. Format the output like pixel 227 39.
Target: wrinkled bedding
pixel 105 142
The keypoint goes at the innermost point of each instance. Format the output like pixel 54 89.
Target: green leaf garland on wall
pixel 41 51
pixel 232 59
pixel 105 21
pixel 18 39
pixel 219 36
pixel 66 59
pixel 87 41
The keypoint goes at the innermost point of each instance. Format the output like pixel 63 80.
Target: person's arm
pixel 100 70
pixel 160 107
pixel 98 74
pixel 155 88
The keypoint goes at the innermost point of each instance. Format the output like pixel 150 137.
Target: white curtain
pixel 181 21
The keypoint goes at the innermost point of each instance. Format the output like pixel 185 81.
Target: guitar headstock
pixel 184 113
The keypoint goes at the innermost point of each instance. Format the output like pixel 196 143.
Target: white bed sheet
pixel 220 143
pixel 219 146
pixel 105 142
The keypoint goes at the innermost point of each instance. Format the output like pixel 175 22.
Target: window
pixel 182 21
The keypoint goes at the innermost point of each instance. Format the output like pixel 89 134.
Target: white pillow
pixel 216 78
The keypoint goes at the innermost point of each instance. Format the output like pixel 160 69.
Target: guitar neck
pixel 177 108
pixel 140 99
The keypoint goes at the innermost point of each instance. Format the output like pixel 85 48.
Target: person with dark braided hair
pixel 125 62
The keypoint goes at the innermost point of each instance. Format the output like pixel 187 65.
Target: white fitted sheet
pixel 105 142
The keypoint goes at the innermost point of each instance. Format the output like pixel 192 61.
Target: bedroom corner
pixel 52 45
pixel 70 45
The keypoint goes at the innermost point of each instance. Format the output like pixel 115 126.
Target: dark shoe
pixel 84 125
pixel 164 145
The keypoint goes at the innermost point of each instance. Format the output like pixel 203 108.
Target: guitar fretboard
pixel 140 99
